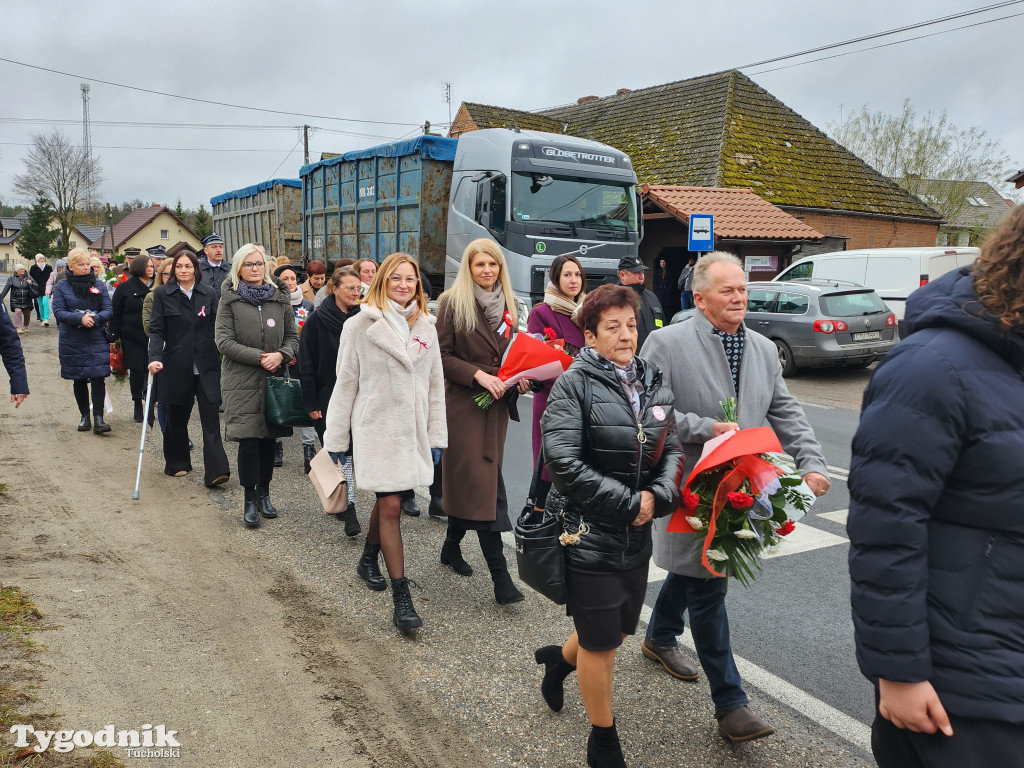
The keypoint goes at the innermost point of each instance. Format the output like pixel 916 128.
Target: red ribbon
pixel 507 319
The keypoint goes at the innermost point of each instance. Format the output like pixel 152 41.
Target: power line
pixel 886 33
pixel 157 149
pixel 274 172
pixel 196 99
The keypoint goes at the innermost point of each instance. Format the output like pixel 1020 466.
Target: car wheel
pixel 786 358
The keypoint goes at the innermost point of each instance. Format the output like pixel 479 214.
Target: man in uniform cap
pixel 650 316
pixel 158 253
pixel 213 265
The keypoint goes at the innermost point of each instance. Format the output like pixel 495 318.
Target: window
pixel 760 300
pixel 977 202
pixel 163 234
pixel 801 271
pixel 574 202
pixel 792 304
pixel 852 304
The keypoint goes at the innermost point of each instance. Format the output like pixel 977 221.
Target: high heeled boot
pixel 251 510
pixel 368 569
pixel 604 749
pixel 505 590
pixel 556 669
pixel 266 508
pixel 405 616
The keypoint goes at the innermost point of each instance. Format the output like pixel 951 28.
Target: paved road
pixel 800 602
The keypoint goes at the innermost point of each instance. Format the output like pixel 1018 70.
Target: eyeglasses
pixel 252 265
pixel 398 280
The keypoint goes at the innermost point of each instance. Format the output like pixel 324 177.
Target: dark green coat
pixel 244 332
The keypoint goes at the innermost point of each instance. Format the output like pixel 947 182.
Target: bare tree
pixel 63 173
pixel 913 149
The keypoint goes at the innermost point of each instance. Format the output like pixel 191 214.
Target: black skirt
pixel 605 605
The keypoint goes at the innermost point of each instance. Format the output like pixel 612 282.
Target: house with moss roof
pixel 724 130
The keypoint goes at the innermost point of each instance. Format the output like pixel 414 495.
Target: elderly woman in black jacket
pixel 183 352
pixel 610 446
pixel 126 325
pixel 318 362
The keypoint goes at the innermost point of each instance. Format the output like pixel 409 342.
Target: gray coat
pixel 695 369
pixel 243 333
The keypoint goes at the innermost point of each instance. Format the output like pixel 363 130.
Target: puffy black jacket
pixel 936 519
pixel 600 462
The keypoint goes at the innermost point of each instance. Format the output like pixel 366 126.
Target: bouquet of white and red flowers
pixel 528 357
pixel 744 499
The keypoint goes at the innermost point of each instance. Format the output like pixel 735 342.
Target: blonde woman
pixel 476 318
pixel 389 396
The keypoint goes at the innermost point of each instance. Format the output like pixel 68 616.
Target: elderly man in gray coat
pixel 706 360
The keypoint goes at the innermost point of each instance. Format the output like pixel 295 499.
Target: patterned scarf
pixel 733 344
pixel 628 377
pixel 256 295
pixel 561 303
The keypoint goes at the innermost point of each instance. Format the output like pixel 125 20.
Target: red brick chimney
pixel 583 99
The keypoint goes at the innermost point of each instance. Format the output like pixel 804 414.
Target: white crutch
pixel 142 443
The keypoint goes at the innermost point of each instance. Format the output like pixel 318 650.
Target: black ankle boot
pixel 308 452
pixel 604 749
pixel 505 591
pixel 368 568
pixel 278 453
pixel 556 669
pixel 266 508
pixel 138 412
pixel 251 510
pixel 85 424
pixel 451 555
pixel 405 617
pixel 436 508
pixel 99 426
pixel 351 521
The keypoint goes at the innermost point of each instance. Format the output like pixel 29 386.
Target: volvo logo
pixel 583 250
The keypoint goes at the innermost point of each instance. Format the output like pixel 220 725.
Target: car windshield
pixel 575 201
pixel 852 304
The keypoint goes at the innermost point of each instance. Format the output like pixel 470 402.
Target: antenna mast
pixel 87 144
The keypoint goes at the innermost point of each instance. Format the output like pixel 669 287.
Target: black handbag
pixel 285 404
pixel 539 552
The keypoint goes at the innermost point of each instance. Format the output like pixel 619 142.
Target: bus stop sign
pixel 702 232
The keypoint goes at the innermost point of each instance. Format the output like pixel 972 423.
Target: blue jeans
pixel 686 299
pixel 709 624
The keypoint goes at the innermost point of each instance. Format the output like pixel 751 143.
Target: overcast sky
pixel 388 62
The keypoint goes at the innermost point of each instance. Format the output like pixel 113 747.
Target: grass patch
pixel 18 617
pixel 3 489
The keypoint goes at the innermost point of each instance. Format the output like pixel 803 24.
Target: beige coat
pixel 390 397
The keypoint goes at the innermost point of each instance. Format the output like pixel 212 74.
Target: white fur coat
pixel 390 397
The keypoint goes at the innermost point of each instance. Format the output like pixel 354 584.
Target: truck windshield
pixel 575 201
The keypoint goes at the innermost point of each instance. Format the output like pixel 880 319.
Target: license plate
pixel 867 336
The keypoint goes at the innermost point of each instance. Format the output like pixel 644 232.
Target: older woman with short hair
pixel 256 334
pixel 23 290
pixel 316 276
pixel 610 446
pixel 81 307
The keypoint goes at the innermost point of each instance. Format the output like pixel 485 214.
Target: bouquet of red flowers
pixel 744 500
pixel 527 357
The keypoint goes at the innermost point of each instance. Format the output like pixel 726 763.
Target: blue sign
pixel 702 232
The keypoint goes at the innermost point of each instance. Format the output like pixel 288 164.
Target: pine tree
pixel 204 225
pixel 36 236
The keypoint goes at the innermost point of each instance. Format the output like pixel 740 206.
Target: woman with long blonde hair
pixel 476 320
pixel 389 397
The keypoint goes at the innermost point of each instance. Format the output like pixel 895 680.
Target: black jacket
pixel 12 355
pixel 180 337
pixel 936 520
pixel 598 461
pixel 126 322
pixel 650 317
pixel 318 357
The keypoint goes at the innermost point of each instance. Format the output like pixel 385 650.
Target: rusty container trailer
pixel 268 214
pixel 373 202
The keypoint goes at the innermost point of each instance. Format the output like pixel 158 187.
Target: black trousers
pixel 255 461
pixel 974 744
pixel 177 457
pixel 99 391
pixel 137 383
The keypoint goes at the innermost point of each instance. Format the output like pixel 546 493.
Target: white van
pixel 894 273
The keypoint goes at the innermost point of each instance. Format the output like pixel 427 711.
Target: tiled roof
pixel 12 222
pixel 724 130
pixel 132 223
pixel 966 215
pixel 485 116
pixel 739 213
pixel 91 231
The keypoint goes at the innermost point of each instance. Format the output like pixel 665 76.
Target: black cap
pixel 631 264
pixel 212 238
pixel 157 252
pixel 132 252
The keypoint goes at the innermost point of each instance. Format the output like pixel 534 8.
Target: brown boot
pixel 741 724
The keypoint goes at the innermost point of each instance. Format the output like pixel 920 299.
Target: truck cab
pixel 541 195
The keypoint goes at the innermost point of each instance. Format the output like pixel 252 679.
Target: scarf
pixel 492 303
pixel 333 317
pixel 398 318
pixel 628 377
pixel 733 344
pixel 561 303
pixel 295 297
pixel 256 295
pixel 81 285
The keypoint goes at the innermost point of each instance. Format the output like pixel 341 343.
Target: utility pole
pixel 305 143
pixel 87 144
pixel 448 98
